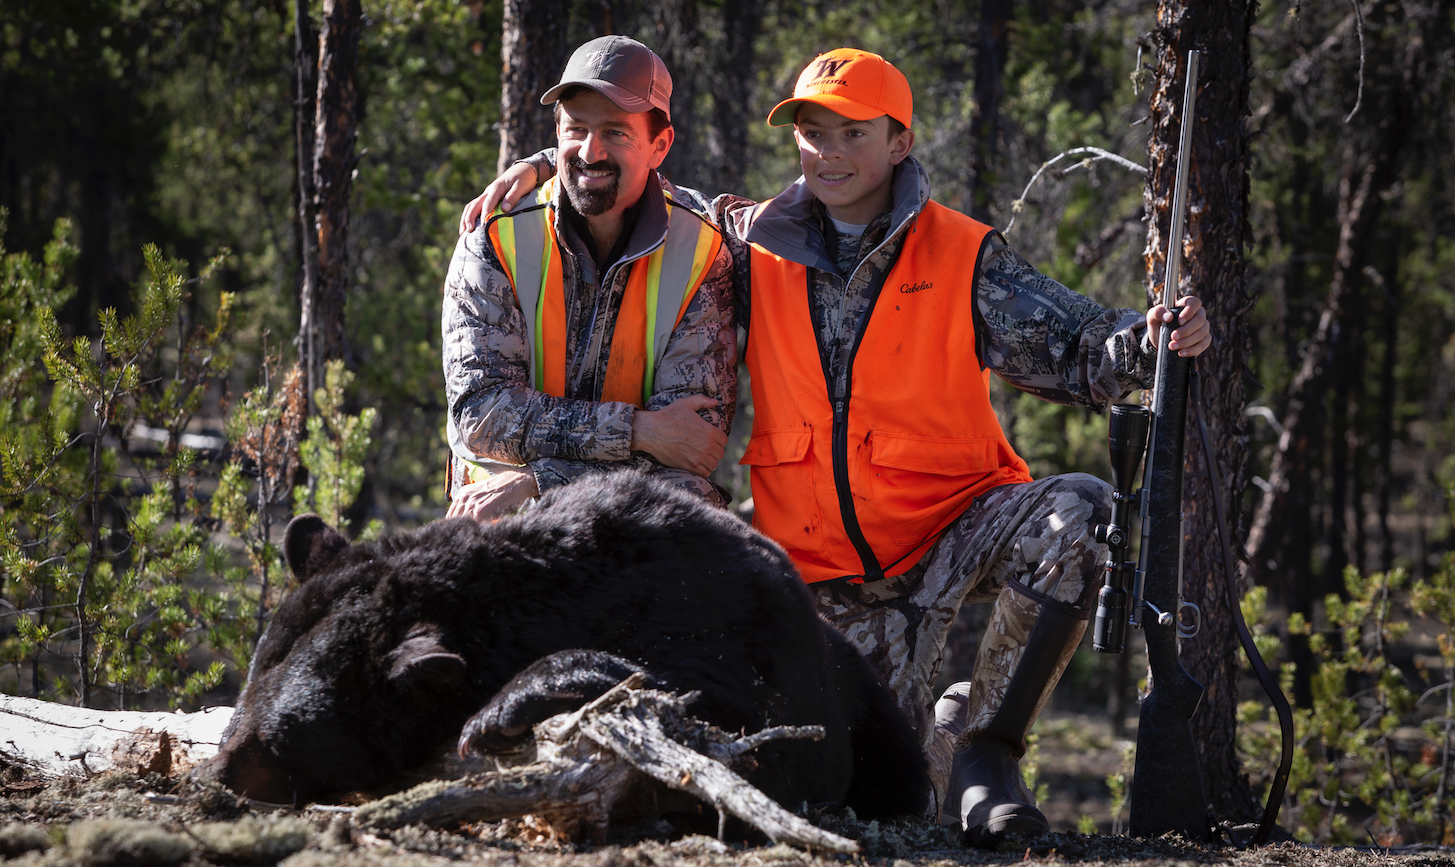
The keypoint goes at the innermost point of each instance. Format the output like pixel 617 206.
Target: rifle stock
pixel 1167 792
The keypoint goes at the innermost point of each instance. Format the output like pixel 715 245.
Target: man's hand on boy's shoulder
pixel 1193 335
pixel 519 181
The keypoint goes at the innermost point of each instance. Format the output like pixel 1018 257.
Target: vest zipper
pixel 839 442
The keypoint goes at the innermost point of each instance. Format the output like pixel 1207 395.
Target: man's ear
pixel 901 146
pixel 662 145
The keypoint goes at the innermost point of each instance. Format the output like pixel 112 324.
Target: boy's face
pixel 849 164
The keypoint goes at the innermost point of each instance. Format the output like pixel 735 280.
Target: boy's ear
pixel 901 146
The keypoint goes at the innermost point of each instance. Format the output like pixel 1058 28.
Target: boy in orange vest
pixel 873 315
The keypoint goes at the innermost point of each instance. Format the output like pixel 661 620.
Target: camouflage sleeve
pixel 487 371
pixel 1049 341
pixel 730 214
pixel 701 358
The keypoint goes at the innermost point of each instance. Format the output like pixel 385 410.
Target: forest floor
pixel 118 819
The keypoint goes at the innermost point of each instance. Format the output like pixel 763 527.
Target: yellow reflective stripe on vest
pixel 680 264
pixel 674 271
pixel 527 232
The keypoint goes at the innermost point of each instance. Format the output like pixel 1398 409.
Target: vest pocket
pixel 916 480
pixel 785 501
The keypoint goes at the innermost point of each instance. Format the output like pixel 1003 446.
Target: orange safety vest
pixel 864 488
pixel 657 293
pixel 658 290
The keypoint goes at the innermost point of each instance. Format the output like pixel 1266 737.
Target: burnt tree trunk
pixel 533 53
pixel 305 238
pixel 732 94
pixel 992 43
pixel 334 133
pixel 1213 268
pixel 675 37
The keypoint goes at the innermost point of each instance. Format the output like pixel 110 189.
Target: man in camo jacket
pixel 1028 546
pixel 510 437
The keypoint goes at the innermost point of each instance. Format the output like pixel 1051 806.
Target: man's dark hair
pixel 657 121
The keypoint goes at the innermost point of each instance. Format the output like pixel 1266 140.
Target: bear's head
pixel 352 682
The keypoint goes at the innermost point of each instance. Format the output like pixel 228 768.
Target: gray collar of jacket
pixel 786 226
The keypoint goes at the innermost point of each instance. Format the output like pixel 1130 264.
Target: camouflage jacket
pixel 495 416
pixel 1033 332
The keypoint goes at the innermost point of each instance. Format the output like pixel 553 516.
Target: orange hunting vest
pixel 864 488
pixel 658 290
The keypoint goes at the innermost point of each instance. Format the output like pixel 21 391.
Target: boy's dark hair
pixel 657 121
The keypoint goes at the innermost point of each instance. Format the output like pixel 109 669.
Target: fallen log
pixel 586 760
pixel 55 739
pixel 583 763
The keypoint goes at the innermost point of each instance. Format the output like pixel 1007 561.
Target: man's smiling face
pixel 605 153
pixel 849 164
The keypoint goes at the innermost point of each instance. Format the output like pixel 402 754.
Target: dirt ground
pixel 123 820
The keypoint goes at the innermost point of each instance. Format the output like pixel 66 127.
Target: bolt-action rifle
pixel 1167 791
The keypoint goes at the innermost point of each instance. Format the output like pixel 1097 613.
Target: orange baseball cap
pixel 850 82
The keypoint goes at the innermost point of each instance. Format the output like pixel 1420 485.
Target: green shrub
pixel 113 577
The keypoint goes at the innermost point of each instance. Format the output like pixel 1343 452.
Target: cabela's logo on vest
pixel 911 288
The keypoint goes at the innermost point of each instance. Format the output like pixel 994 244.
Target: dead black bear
pixel 391 651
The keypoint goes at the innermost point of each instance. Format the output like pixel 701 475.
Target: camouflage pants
pixel 1038 534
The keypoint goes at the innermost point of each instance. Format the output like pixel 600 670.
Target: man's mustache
pixel 599 166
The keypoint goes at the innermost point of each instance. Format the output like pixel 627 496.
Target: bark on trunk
pixel 335 131
pixel 533 52
pixel 1214 270
pixel 676 39
pixel 732 95
pixel 307 244
pixel 992 43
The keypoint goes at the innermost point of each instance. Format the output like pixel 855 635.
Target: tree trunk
pixel 533 52
pixel 335 131
pixel 732 94
pixel 1214 269
pixel 992 43
pixel 1364 179
pixel 303 114
pixel 676 39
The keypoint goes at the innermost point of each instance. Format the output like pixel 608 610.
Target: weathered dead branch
pixel 587 760
pixel 61 739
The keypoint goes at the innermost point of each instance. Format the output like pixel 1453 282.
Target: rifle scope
pixel 1127 442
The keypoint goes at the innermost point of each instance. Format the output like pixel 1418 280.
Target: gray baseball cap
pixel 623 70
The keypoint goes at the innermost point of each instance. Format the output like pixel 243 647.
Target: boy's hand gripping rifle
pixel 1167 792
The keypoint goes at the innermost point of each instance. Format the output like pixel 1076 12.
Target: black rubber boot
pixel 986 795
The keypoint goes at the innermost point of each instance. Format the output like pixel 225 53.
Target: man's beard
pixel 592 202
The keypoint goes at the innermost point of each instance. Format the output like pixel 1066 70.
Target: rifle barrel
pixel 1167 792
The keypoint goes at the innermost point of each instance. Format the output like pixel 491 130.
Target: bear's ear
pixel 310 545
pixel 422 661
